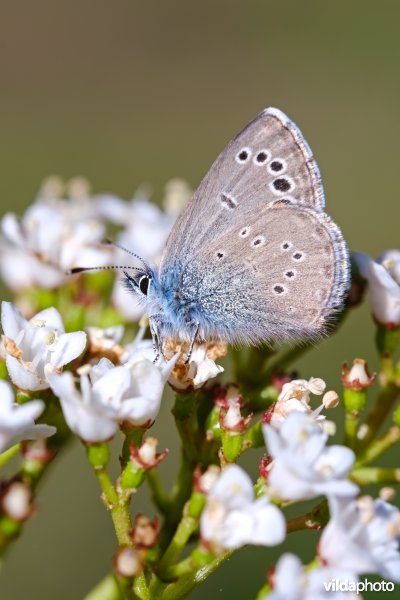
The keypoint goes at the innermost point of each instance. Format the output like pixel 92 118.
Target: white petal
pixel 206 370
pixel 287 578
pixel 51 318
pixel 22 377
pixel 139 410
pixel 384 290
pixel 26 413
pixel 11 228
pixel 287 485
pixel 12 320
pixel 114 209
pixel 34 432
pixel 101 368
pixel 86 423
pixel 87 420
pixel 147 379
pixel 68 347
pixel 272 440
pixel 110 388
pixel 234 487
pixel 339 458
pixel 6 397
pixel 269 524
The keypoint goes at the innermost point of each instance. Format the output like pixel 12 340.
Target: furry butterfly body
pixel 253 257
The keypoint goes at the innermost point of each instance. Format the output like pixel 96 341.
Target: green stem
pixel 315 519
pixel 118 506
pixel 379 446
pixel 182 568
pixel 122 522
pixel 9 454
pixel 158 493
pixel 351 422
pixel 109 491
pixel 254 437
pixel 186 527
pixel 140 588
pixel 107 589
pixel 368 475
pixel 381 409
pixel 187 583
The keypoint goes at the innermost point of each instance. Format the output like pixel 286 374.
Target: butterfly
pixel 253 257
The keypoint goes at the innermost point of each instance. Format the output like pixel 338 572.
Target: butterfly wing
pixel 279 274
pixel 253 253
pixel 268 160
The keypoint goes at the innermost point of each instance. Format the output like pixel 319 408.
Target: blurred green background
pixel 127 92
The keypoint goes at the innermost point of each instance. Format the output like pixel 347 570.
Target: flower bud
pixel 202 484
pixel 16 501
pixel 106 343
pixel 330 399
pixel 357 377
pixel 141 460
pixel 145 533
pixel 387 493
pixel 265 466
pixel 316 385
pixel 126 562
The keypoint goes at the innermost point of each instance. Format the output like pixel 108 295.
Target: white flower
pixel 232 518
pixel 17 421
pixel 363 535
pixel 303 467
pixel 295 395
pixel 201 367
pixel 76 206
pixel 39 248
pixel 292 581
pixel 110 396
pixel 384 285
pixel 29 346
pixel 106 342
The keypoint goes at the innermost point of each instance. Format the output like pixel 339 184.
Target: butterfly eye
pixel 144 283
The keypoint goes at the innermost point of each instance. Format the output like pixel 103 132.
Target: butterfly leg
pixel 155 338
pixel 196 326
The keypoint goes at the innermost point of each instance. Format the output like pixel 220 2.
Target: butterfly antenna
pixel 76 270
pixel 112 243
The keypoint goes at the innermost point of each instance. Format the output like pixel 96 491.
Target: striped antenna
pixel 76 270
pixel 111 243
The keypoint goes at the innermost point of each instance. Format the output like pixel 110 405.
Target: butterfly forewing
pixel 254 250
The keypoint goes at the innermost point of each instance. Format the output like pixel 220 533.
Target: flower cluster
pixel 233 518
pixel 72 356
pixel 29 347
pixel 111 396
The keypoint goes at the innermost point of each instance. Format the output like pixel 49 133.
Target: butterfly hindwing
pixel 280 274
